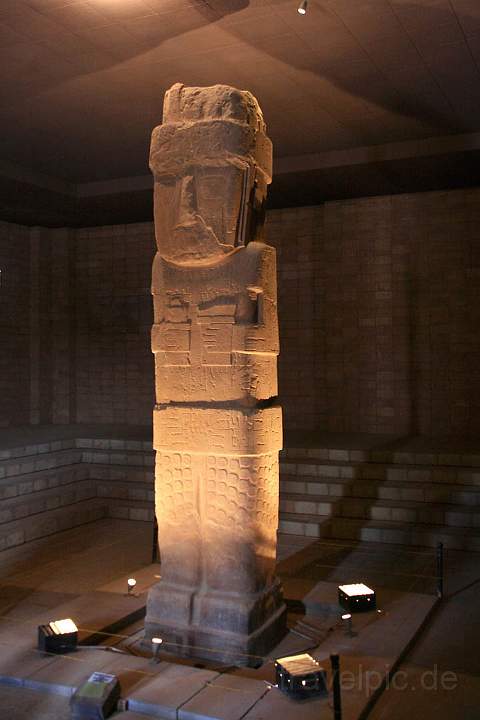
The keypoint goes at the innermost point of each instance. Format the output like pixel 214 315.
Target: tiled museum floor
pixel 79 560
pixel 46 573
pixel 449 644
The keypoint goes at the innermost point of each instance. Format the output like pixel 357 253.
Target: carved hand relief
pixel 215 340
pixel 223 316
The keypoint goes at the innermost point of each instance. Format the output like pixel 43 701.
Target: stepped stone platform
pixel 405 491
pixel 53 478
pixel 181 689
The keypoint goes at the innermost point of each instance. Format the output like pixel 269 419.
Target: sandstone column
pixel 217 429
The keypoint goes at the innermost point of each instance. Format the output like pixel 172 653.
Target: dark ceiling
pixel 82 84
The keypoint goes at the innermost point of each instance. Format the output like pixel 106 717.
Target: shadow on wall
pixel 442 344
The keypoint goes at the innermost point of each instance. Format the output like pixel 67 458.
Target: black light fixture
pixel 302 8
pixel 59 636
pixel 357 597
pixel 300 676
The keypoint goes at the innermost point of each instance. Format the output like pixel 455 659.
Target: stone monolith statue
pixel 217 429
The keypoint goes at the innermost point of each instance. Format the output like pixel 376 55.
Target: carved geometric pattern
pixel 175 497
pixel 242 490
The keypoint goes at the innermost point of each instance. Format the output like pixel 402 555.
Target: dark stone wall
pixel 379 308
pixel 380 314
pixel 14 325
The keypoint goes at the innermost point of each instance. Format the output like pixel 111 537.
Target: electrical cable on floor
pixel 105 648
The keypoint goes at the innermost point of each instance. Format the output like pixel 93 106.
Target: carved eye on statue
pixel 220 200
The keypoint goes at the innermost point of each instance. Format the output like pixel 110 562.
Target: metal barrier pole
pixel 155 550
pixel 337 693
pixel 440 570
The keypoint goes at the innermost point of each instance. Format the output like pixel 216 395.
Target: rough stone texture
pixel 215 337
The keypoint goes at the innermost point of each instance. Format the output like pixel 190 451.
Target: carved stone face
pixel 212 162
pixel 199 213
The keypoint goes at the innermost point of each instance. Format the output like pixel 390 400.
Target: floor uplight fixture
pixel 302 8
pixel 300 676
pixel 347 620
pixel 156 643
pixel 59 636
pixel 357 597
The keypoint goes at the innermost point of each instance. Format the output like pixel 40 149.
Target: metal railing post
pixel 337 693
pixel 440 570
pixel 155 549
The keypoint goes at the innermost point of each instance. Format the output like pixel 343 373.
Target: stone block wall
pixel 52 304
pixel 379 309
pixel 14 325
pixel 380 314
pixel 114 315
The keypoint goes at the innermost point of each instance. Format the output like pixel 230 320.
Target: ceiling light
pixel 302 8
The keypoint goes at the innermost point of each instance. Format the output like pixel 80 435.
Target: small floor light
pixel 131 582
pixel 302 8
pixel 347 619
pixel 300 676
pixel 156 642
pixel 59 636
pixel 357 597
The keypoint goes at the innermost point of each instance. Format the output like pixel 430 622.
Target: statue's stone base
pixel 192 624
